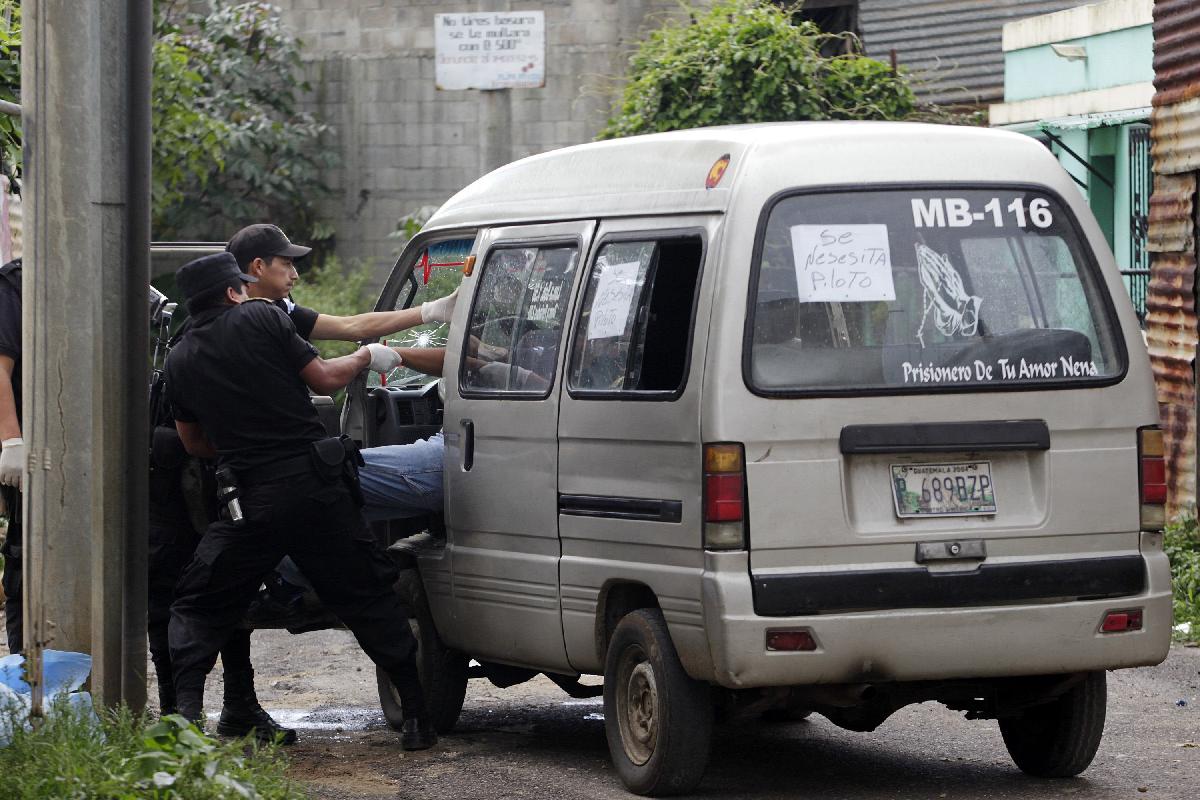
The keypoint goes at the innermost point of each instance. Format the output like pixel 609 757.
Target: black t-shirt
pixel 237 374
pixel 10 323
pixel 304 318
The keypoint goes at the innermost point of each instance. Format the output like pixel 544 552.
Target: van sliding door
pixel 629 428
pixel 501 427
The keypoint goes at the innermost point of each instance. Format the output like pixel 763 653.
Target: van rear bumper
pixel 865 590
pixel 905 644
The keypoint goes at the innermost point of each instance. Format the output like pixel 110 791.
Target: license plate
pixel 940 490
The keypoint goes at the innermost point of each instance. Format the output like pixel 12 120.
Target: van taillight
pixel 724 497
pixel 1129 619
pixel 1152 478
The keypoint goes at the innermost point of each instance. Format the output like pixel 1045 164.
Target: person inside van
pixel 405 480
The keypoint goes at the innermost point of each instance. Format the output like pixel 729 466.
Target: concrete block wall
pixel 403 144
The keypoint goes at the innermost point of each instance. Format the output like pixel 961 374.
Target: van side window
pixel 636 320
pixel 517 321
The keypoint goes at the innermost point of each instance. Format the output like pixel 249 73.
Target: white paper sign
pixel 614 298
pixel 490 50
pixel 842 263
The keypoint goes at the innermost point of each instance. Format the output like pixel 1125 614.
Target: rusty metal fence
pixel 1171 301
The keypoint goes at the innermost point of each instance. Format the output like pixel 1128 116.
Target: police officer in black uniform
pixel 182 497
pixel 265 252
pixel 238 385
pixel 182 504
pixel 12 459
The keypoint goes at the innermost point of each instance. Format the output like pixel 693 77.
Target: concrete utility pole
pixel 86 103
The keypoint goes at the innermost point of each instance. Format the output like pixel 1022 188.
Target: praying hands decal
pixel 954 311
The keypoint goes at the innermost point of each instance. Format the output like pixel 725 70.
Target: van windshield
pixel 926 290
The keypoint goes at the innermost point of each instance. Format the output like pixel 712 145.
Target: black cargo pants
pixel 181 505
pixel 14 557
pixel 320 527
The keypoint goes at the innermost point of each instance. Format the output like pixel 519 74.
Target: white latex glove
pixel 12 462
pixel 439 310
pixel 383 358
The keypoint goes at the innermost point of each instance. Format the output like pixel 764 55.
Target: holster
pixel 338 457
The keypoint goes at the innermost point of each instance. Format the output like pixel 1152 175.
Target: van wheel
pixel 443 671
pixel 658 720
pixel 1060 738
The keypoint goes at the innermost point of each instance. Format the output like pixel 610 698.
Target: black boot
pixel 242 715
pixel 166 698
pixel 190 704
pixel 166 681
pixel 247 716
pixel 417 733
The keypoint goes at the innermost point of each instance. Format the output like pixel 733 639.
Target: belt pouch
pixel 328 455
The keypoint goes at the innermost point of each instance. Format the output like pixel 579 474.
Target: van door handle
pixel 468 445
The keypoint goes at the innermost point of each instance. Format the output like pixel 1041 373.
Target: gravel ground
pixel 534 741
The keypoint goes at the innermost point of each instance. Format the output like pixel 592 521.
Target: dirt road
pixel 533 741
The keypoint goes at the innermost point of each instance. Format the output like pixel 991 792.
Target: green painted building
pixel 1081 81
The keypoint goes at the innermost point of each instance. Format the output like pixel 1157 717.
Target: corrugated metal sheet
pixel 951 47
pixel 1176 135
pixel 1171 328
pixel 1171 319
pixel 1176 51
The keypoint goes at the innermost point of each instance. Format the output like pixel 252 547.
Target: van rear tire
pixel 443 671
pixel 658 721
pixel 1059 739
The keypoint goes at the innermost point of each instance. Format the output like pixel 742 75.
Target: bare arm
pixel 429 360
pixel 195 441
pixel 370 325
pixel 9 427
pixel 326 377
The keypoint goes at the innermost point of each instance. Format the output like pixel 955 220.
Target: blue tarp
pixel 63 673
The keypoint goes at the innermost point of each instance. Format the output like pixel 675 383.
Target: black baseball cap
pixel 209 272
pixel 263 241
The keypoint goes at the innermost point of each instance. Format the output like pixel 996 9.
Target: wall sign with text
pixel 490 50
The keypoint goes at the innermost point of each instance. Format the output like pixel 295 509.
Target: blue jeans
pixel 402 480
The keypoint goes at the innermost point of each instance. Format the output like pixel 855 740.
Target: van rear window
pixel 927 290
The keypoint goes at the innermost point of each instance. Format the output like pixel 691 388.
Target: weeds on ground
pixel 1182 543
pixel 126 757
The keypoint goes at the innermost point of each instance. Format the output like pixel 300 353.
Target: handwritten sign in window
pixel 613 300
pixel 842 263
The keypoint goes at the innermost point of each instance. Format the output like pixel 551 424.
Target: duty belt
pixel 12 551
pixel 283 468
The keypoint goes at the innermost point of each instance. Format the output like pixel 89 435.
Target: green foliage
pixel 10 88
pixel 1182 544
pixel 747 61
pixel 339 292
pixel 124 758
pixel 231 145
pixel 235 146
pixel 188 133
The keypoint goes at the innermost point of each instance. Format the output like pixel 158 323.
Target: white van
pixel 789 418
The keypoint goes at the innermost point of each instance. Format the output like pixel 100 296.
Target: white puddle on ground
pixel 324 719
pixel 358 719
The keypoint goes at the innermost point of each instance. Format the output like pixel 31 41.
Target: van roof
pixel 665 173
